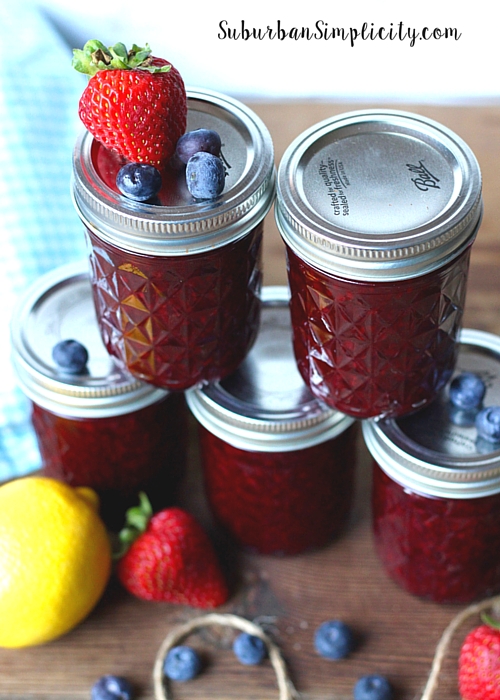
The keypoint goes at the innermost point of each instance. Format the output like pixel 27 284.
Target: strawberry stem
pixel 136 522
pixel 95 57
pixel 490 621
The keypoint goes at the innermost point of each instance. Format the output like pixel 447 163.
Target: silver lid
pixel 265 405
pixel 378 194
pixel 436 451
pixel 183 226
pixel 59 306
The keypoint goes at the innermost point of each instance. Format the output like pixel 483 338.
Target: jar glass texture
pixel 377 349
pixel 378 210
pixel 176 283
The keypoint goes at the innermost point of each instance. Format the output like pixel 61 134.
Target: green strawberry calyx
pixel 136 522
pixel 95 57
pixel 492 622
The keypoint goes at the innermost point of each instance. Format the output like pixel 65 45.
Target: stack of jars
pixel 378 211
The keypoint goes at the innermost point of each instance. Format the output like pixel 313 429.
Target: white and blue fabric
pixel 39 228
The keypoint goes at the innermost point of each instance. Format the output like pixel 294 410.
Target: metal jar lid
pixel 436 451
pixel 378 195
pixel 186 226
pixel 265 406
pixel 59 306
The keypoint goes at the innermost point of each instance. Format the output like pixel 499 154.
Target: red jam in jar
pixel 436 490
pixel 102 428
pixel 378 211
pixel 278 465
pixel 176 283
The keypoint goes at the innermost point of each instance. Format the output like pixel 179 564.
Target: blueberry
pixel 71 356
pixel 205 176
pixel 488 423
pixel 182 663
pixel 139 181
pixel 373 687
pixel 333 640
pixel 248 649
pixel 467 390
pixel 198 140
pixel 112 688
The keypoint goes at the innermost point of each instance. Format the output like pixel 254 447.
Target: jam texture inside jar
pixel 378 210
pixel 170 324
pixel 99 427
pixel 436 490
pixel 383 348
pixel 278 465
pixel 281 502
pixel 176 283
pixel 438 548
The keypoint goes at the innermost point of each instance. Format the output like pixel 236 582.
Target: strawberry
pixel 170 558
pixel 134 104
pixel 479 663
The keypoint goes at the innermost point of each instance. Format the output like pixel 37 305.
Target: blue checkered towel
pixel 39 229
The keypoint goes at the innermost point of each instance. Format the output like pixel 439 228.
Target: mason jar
pixel 102 428
pixel 278 465
pixel 378 210
pixel 176 283
pixel 436 490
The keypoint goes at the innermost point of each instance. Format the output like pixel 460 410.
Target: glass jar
pixel 278 465
pixel 102 428
pixel 378 210
pixel 436 490
pixel 176 283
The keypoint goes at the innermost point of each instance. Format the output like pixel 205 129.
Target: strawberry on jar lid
pixel 378 195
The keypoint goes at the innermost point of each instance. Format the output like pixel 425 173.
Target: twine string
pixel 162 689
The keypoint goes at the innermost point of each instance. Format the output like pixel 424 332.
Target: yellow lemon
pixel 55 559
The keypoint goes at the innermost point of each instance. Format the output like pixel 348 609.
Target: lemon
pixel 55 559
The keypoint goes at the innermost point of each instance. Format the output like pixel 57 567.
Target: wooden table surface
pixel 397 634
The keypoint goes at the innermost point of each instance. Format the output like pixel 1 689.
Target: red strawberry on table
pixel 134 104
pixel 479 663
pixel 170 559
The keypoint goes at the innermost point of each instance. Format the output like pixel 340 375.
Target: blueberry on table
pixel 139 181
pixel 112 688
pixel 248 649
pixel 198 140
pixel 333 639
pixel 205 176
pixel 182 663
pixel 488 423
pixel 467 390
pixel 372 687
pixel 70 356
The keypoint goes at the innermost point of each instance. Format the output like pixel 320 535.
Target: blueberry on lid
pixel 488 423
pixel 70 356
pixel 192 142
pixel 182 663
pixel 372 687
pixel 112 688
pixel 139 181
pixel 467 390
pixel 248 649
pixel 333 640
pixel 205 176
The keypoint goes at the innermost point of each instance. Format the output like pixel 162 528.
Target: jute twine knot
pixel 161 682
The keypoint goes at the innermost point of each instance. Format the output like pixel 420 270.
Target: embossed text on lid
pixel 59 306
pixel 378 194
pixel 437 451
pixel 265 404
